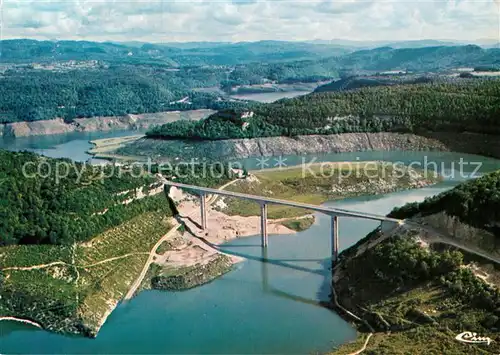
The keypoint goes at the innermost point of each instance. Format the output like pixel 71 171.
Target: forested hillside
pixel 472 106
pixel 358 82
pixel 57 201
pixel 418 293
pixel 475 202
pixel 37 210
pixel 33 95
pixel 420 59
pixel 175 55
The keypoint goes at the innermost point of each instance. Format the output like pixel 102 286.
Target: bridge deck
pixel 261 199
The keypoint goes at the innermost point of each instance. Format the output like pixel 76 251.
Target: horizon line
pixel 491 41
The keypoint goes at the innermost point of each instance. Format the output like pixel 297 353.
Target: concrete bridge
pixel 387 224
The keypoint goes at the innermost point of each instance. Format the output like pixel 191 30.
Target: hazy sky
pixel 249 20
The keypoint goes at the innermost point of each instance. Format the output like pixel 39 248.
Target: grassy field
pixel 300 224
pixel 91 279
pixel 321 183
pixel 105 149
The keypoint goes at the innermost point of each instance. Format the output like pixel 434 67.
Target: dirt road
pixel 133 288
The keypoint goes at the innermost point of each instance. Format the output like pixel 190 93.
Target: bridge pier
pixel 335 238
pixel 263 224
pixel 203 210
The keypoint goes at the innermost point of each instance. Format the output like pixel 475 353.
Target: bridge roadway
pixel 268 200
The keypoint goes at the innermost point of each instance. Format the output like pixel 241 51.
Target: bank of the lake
pixel 232 149
pixel 143 122
pixel 268 97
pixel 139 122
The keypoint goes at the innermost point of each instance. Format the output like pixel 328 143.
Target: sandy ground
pixel 109 144
pixel 222 228
pixel 197 246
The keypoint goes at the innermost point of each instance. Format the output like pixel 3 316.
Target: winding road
pixel 133 288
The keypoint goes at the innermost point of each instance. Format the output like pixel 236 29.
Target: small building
pixel 247 114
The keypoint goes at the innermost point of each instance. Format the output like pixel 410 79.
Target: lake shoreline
pixel 307 145
pixel 137 122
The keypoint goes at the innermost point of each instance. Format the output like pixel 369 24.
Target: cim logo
pixel 472 338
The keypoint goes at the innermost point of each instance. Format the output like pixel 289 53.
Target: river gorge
pixel 271 303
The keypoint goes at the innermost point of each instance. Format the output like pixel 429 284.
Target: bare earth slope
pixel 94 124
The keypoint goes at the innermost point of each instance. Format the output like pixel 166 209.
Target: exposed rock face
pixel 470 143
pixel 464 233
pixel 189 277
pixel 338 143
pixel 128 122
pixel 37 128
pixel 275 146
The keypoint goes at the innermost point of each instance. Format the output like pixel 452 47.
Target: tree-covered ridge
pixel 26 51
pixel 420 59
pixel 358 82
pixel 202 54
pixel 41 206
pixel 472 106
pixel 33 95
pixel 394 285
pixel 475 202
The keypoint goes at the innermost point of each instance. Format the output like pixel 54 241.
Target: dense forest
pixel 469 106
pixel 358 82
pixel 39 206
pixel 175 55
pixel 33 95
pixel 475 202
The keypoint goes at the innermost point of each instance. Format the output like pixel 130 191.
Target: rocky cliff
pixel 463 233
pixel 275 146
pixel 94 124
pixel 315 144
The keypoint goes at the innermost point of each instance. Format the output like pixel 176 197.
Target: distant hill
pixel 329 56
pixel 420 59
pixel 27 51
pixel 392 44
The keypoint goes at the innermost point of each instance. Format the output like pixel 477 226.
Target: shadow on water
pixel 324 270
pixel 263 258
pixel 323 292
